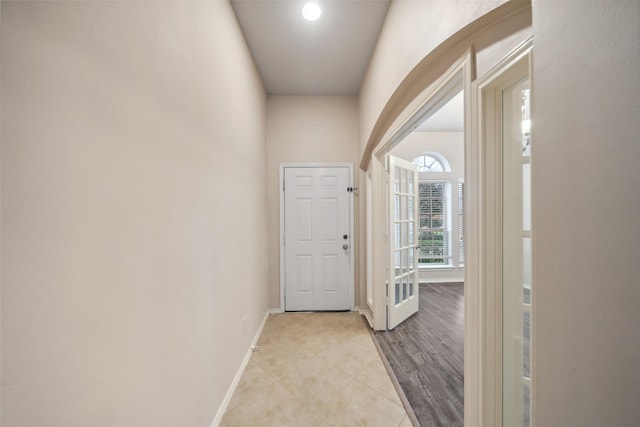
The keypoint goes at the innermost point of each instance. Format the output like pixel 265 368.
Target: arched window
pixel 428 163
pixel 436 223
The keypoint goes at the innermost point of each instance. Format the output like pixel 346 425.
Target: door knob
pixel 345 247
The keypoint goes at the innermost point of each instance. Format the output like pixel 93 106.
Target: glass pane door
pixel 403 263
pixel 517 256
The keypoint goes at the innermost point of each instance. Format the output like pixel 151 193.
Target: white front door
pixel 317 238
pixel 403 262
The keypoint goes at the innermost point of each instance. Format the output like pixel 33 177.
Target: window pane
pixel 403 180
pixel 410 259
pixel 526 123
pixel 410 205
pixel 428 163
pixel 403 206
pixel 411 243
pixel 526 344
pixel 526 197
pixel 410 183
pixel 397 263
pixel 526 270
pixel 434 214
pixel 405 263
pixel 461 223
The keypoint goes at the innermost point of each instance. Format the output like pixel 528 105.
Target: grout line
pixel 351 378
pixel 381 394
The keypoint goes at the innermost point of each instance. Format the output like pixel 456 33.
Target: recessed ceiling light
pixel 311 11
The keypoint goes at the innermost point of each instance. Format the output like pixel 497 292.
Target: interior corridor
pixel 315 369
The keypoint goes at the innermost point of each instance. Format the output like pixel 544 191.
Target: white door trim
pixel 351 225
pixel 484 171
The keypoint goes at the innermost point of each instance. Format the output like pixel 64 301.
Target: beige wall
pixel 411 30
pixel 133 233
pixel 586 104
pixel 586 205
pixel 310 129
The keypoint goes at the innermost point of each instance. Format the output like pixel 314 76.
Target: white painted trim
pixel 428 102
pixel 483 328
pixel 426 269
pixel 236 379
pixel 367 316
pixel 378 244
pixel 368 239
pixel 351 224
pixel 442 280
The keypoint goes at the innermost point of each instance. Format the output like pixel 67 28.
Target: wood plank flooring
pixel 426 354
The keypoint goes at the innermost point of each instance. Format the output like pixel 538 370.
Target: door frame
pixel 352 238
pixel 486 131
pixel 458 77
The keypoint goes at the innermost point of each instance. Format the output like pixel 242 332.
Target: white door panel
pixel 403 272
pixel 317 265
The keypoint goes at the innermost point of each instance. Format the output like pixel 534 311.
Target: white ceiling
pixel 449 118
pixel 298 57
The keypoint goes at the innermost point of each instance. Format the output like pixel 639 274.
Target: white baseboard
pixel 367 316
pixel 232 388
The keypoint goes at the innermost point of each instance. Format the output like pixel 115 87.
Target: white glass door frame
pixel 403 290
pixel 485 178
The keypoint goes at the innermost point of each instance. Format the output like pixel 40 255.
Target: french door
pixel 402 278
pixel 317 238
pixel 517 255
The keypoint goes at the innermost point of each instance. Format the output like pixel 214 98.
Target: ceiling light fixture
pixel 311 11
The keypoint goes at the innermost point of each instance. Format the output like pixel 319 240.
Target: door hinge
pixel 283 185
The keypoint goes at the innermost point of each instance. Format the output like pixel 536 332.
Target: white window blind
pixel 435 223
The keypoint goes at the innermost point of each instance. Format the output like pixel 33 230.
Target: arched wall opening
pixel 482 37
pixel 479 45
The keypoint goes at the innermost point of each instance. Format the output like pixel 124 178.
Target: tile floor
pixel 315 369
